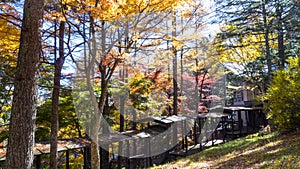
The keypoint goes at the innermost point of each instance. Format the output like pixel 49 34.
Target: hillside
pixel 268 151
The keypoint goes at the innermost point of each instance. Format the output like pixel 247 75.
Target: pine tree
pixel 23 114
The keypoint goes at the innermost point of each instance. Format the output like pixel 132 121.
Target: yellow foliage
pixel 177 44
pixel 136 37
pixel 248 50
pixel 9 42
pixel 283 96
pixel 245 48
pixel 110 10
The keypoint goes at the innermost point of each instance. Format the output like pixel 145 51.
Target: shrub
pixel 283 97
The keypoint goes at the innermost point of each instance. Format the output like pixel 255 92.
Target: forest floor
pixel 269 151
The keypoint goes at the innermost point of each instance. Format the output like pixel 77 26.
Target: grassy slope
pixel 269 151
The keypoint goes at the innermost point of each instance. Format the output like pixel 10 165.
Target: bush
pixel 283 97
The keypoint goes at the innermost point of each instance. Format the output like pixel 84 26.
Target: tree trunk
pixel 95 157
pixel 94 130
pixel 104 154
pixel 266 32
pixel 122 76
pixel 101 103
pixel 197 100
pixel 58 64
pixel 197 93
pixel 23 114
pixel 280 38
pixel 122 103
pixel 175 84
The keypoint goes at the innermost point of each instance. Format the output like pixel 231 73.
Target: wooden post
pixel 149 150
pixel 200 131
pixel 128 155
pixel 195 132
pixel 254 119
pixel 38 161
pixel 119 160
pixel 67 159
pixel 232 124
pixel 85 158
pixel 240 124
pixel 211 127
pixel 247 120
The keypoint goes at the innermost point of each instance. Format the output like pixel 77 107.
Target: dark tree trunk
pixel 122 103
pixel 23 114
pixel 197 94
pixel 104 154
pixel 280 37
pixel 58 64
pixel 266 32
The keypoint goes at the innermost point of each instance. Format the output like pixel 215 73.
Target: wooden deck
pixel 191 134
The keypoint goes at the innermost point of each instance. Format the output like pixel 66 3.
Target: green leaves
pixel 139 91
pixel 68 122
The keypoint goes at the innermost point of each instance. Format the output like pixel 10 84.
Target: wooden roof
pixel 237 108
pixel 44 147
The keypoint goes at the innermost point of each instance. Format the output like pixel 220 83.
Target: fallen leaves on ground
pixel 269 151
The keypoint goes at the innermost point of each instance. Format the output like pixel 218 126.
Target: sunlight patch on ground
pixel 259 149
pixel 268 151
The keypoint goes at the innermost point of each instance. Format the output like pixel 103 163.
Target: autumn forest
pixel 139 83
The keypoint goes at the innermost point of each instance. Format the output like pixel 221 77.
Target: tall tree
pixel 58 65
pixel 60 34
pixel 280 36
pixel 273 19
pixel 23 114
pixel 290 16
pixel 175 60
pixel 267 43
pixel 247 34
